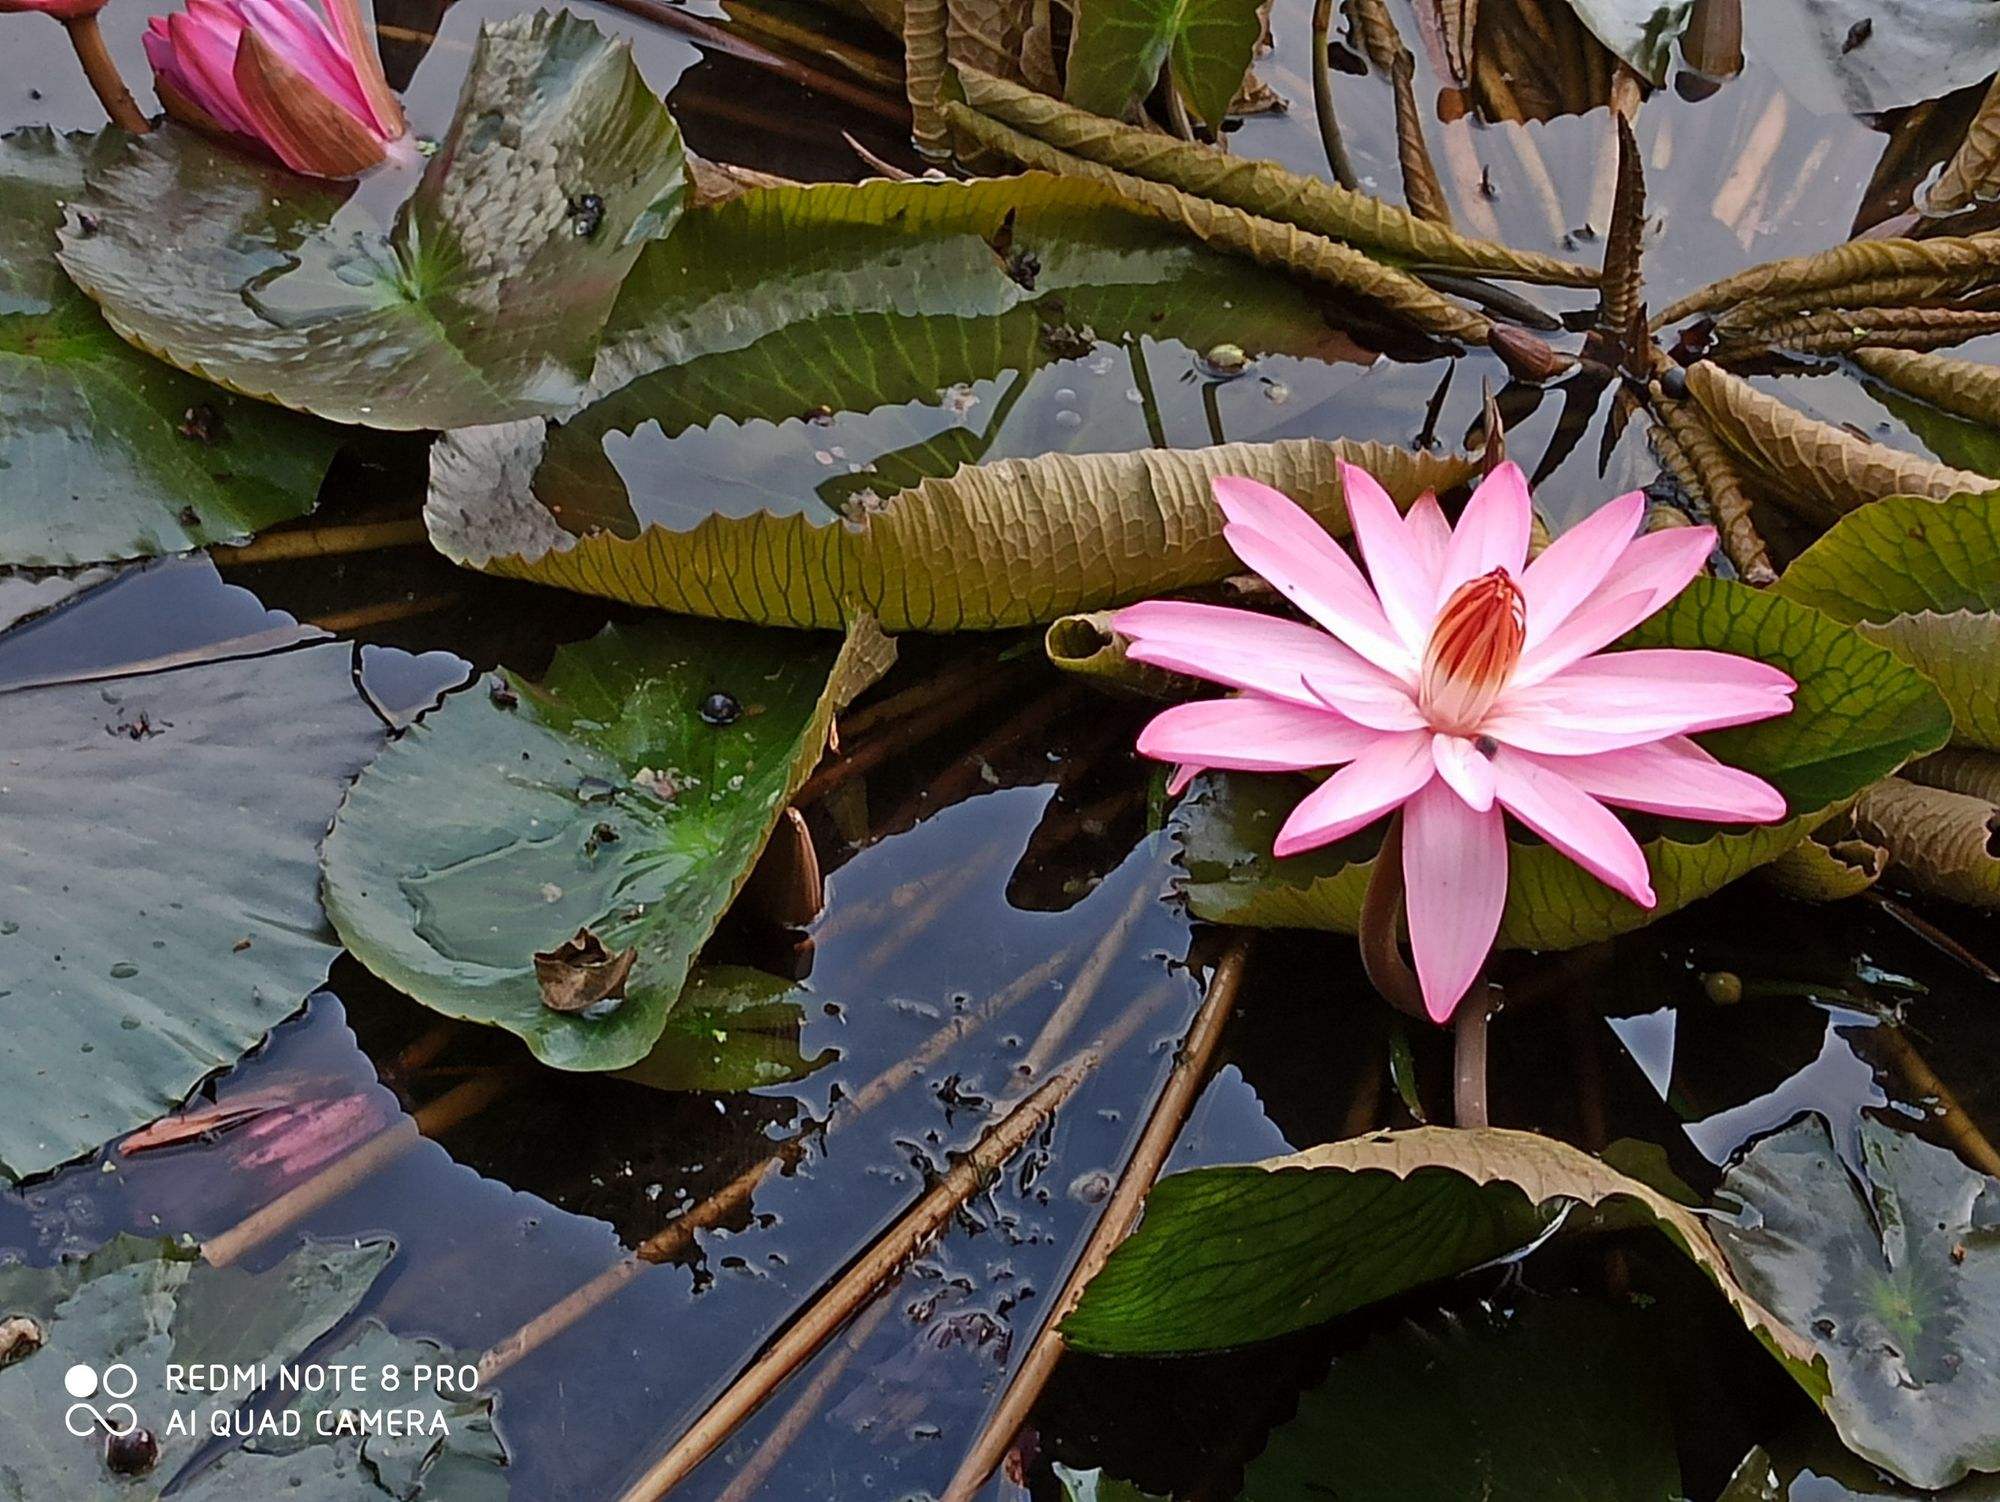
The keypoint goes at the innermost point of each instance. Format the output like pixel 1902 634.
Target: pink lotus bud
pixel 271 75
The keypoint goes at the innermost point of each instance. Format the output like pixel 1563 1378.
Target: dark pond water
pixel 989 876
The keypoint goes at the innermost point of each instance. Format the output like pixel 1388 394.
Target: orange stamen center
pixel 1472 653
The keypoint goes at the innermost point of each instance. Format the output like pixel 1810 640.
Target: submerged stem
pixel 1381 915
pixel 104 76
pixel 1329 123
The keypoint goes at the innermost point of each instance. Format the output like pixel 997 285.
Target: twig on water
pixel 324 542
pixel 1121 1212
pixel 1322 79
pixel 1950 1117
pixel 852 1290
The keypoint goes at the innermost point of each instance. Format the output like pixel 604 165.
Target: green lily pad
pixel 1229 1256
pixel 789 385
pixel 175 812
pixel 1119 46
pixel 1952 439
pixel 1859 713
pixel 110 454
pixel 1556 1402
pixel 1922 577
pixel 618 795
pixel 148 1304
pixel 1896 1280
pixel 481 303
pixel 145 1304
pixel 1094 1486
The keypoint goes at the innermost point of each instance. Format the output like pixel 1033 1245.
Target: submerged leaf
pixel 1922 577
pixel 1858 714
pixel 1973 173
pixel 601 798
pixel 1964 388
pixel 481 304
pixel 1894 1279
pixel 1814 467
pixel 1823 869
pixel 733 1028
pixel 1642 32
pixel 108 453
pixel 1228 1256
pixel 1557 1401
pixel 1866 56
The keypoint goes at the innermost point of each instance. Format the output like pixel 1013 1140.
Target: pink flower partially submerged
pixel 271 75
pixel 1459 685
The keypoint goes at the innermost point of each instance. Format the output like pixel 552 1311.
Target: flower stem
pixel 1468 1087
pixel 103 75
pixel 1381 916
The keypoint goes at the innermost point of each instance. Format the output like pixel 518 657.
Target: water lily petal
pixel 1397 562
pixel 1252 735
pixel 1275 536
pixel 1675 778
pixel 1628 698
pixel 1569 568
pixel 1378 779
pixel 1455 886
pixel 1492 532
pixel 1535 792
pixel 1265 655
pixel 1469 772
pixel 309 131
pixel 1429 532
pixel 1649 573
pixel 295 31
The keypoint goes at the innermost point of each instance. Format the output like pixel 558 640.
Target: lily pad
pixel 108 453
pixel 1119 46
pixel 1555 1402
pixel 482 301
pixel 145 1304
pixel 628 793
pixel 1229 1256
pixel 733 1028
pixel 1858 714
pixel 175 808
pixel 1922 577
pixel 1895 1279
pixel 1907 50
pixel 789 384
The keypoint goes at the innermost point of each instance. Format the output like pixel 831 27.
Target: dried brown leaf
pixel 1257 187
pixel 1375 29
pixel 1965 388
pixel 1269 242
pixel 1458 23
pixel 1618 315
pixel 1973 173
pixel 1959 769
pixel 1086 645
pixel 1961 262
pixel 1699 462
pixel 1815 468
pixel 924 23
pixel 988 34
pixel 1840 331
pixel 581 972
pixel 1939 842
pixel 1421 188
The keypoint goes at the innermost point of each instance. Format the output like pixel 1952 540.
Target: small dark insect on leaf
pixel 1957 1253
pixel 602 834
pixel 1486 188
pixel 820 416
pixel 202 423
pixel 239 946
pixel 86 223
pixel 1066 341
pixel 586 215
pixel 720 708
pixel 1858 33
pixel 581 972
pixel 1022 266
pixel 502 694
pixel 189 517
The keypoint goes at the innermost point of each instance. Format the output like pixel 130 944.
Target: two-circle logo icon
pixel 83 1417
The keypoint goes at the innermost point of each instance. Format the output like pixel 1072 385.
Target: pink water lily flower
pixel 62 10
pixel 1464 682
pixel 273 76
